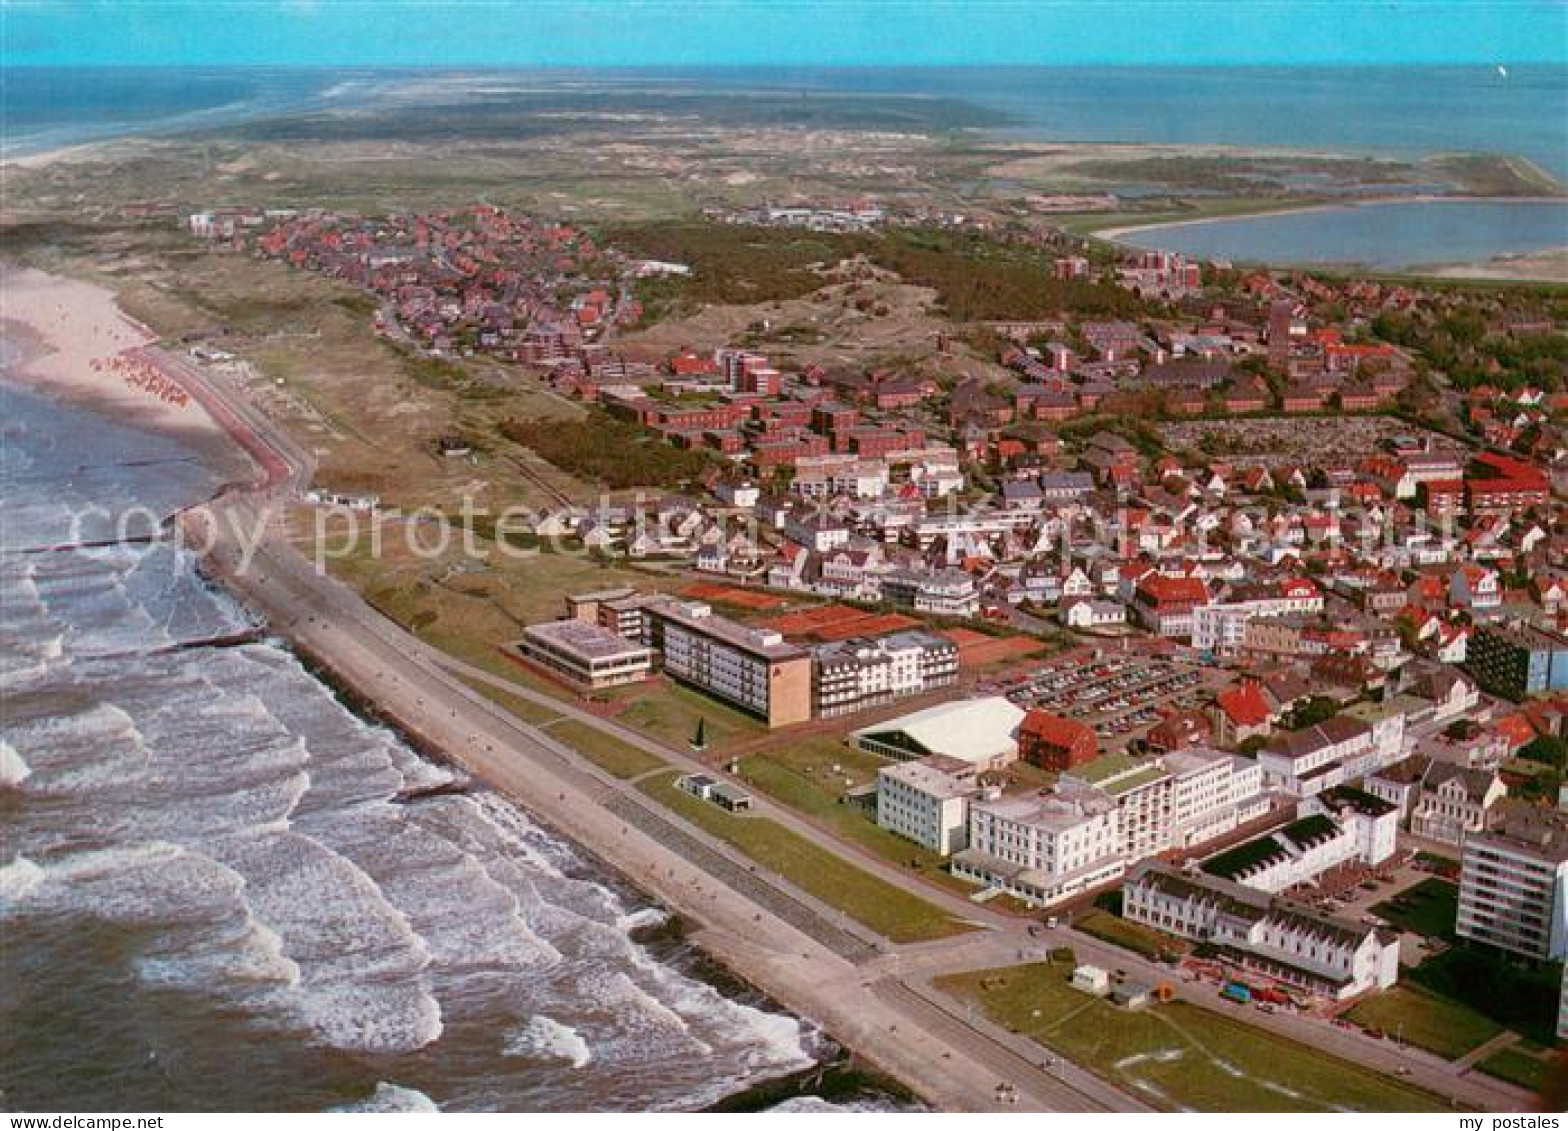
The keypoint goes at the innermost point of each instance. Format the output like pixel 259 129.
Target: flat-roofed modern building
pixel 1513 882
pixel 1042 849
pixel 1176 800
pixel 1518 660
pixel 586 653
pixel 751 668
pixel 927 801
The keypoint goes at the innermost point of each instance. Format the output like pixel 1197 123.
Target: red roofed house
pixel 1163 604
pixel 1241 711
pixel 1055 743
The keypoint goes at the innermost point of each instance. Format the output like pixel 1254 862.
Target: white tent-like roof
pixel 982 732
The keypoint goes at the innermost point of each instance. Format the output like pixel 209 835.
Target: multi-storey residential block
pixel 852 675
pixel 1513 883
pixel 944 592
pixel 1519 660
pixel 1260 932
pixel 927 801
pixel 1176 800
pixel 755 670
pixel 1042 849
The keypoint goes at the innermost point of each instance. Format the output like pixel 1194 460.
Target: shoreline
pixel 852 1007
pixel 678 930
pixel 1114 234
pixel 72 342
pixel 833 1063
pixel 1491 269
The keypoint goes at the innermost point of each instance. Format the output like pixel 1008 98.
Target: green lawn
pixel 1181 1056
pixel 1421 1018
pixel 1524 1063
pixel 1134 936
pixel 669 712
pixel 1489 983
pixel 525 709
pixel 605 750
pixel 801 775
pixel 888 910
pixel 1429 908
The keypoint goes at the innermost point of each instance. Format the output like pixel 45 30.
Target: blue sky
pixel 810 32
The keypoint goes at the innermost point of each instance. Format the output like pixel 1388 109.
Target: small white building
pixel 1092 980
pixel 1086 613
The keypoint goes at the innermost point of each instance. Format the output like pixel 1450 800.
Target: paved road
pixel 882 1006
pixel 933 1053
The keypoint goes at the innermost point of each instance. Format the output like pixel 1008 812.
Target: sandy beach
pixel 1539 267
pixel 71 336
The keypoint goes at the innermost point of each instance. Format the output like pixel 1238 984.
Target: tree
pixel 699 740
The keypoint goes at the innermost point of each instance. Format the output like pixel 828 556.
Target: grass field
pixel 888 910
pixel 670 711
pixel 1525 1064
pixel 604 750
pixel 1429 908
pixel 800 774
pixel 1417 1017
pixel 1177 1055
pixel 525 709
pixel 1134 936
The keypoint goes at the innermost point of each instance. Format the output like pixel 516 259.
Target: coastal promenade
pixel 875 997
pixel 938 1055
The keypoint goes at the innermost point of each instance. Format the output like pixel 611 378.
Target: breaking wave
pixel 233 839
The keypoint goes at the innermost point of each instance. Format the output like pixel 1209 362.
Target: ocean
pixel 1390 110
pixel 214 897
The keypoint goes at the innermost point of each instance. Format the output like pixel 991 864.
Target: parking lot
pixel 1120 696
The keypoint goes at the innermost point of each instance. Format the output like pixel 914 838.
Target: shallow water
pixel 1395 235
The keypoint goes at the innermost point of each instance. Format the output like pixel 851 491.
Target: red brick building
pixel 1055 743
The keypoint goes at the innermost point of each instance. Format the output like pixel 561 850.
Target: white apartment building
pixel 855 674
pixel 1286 942
pixel 1212 793
pixel 927 801
pixel 816 532
pixel 1176 800
pixel 1513 883
pixel 945 592
pixel 1372 821
pixel 1042 849
pixel 966 524
pixel 1220 629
